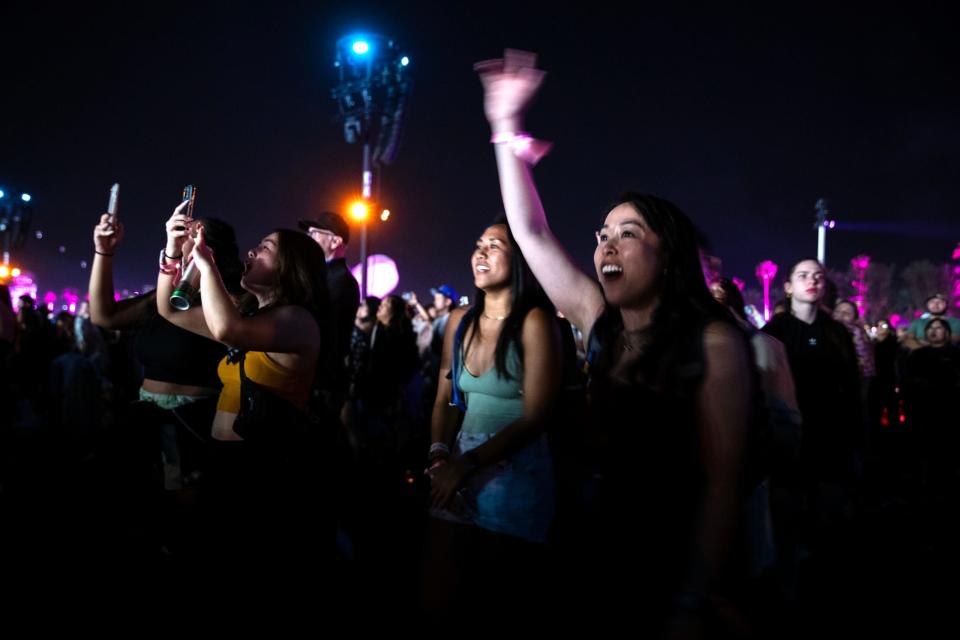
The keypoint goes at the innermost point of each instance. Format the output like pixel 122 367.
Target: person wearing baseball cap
pixel 332 233
pixel 444 301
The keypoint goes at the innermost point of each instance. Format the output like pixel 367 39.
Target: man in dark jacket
pixel 332 233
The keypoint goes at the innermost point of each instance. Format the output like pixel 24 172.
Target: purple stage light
pixel 382 275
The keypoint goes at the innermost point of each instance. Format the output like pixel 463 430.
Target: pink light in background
pixel 22 285
pixel 71 297
pixel 766 271
pixel 956 277
pixel 382 275
pixel 859 265
pixel 740 283
pixel 861 262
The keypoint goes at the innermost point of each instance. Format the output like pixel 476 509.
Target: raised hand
pixel 509 85
pixel 202 254
pixel 107 234
pixel 178 231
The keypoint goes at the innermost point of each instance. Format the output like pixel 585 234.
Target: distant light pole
pixel 821 225
pixel 371 97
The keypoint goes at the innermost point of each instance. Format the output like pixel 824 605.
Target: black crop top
pixel 171 354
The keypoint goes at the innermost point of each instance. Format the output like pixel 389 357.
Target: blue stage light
pixel 25 197
pixel 360 47
pixel 404 60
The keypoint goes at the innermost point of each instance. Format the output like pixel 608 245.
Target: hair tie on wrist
pixel 101 253
pixel 168 269
pixel 523 145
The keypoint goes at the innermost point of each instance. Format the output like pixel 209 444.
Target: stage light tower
pixel 371 97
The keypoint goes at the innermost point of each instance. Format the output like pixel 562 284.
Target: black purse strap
pixel 243 374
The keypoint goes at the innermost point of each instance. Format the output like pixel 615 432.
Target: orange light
pixel 4 272
pixel 15 272
pixel 359 210
pixel 385 215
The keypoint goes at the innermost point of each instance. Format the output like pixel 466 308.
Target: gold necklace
pixel 492 318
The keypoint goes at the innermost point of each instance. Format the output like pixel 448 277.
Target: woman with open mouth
pixel 268 514
pixel 492 482
pixel 672 392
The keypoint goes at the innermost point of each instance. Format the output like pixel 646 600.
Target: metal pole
pixel 822 245
pixel 822 231
pixel 5 229
pixel 367 186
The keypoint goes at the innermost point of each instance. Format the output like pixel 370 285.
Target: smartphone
pixel 189 196
pixel 114 199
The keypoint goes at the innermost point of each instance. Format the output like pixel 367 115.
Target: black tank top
pixel 171 354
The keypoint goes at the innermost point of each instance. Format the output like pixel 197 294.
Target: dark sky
pixel 743 115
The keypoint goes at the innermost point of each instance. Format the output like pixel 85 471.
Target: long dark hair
pixel 399 321
pixel 221 237
pixel 300 277
pixel 686 304
pixel 733 297
pixel 526 294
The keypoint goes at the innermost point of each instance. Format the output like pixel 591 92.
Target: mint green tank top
pixel 493 402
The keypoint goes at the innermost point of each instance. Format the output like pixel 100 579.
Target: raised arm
pixel 541 384
pixel 105 310
pixel 285 329
pixel 178 231
pixel 509 85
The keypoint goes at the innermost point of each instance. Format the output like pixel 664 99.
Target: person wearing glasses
pixel 332 233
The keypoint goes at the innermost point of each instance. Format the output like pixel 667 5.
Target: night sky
pixel 743 116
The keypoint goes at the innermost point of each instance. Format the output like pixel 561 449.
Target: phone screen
pixel 114 199
pixel 190 196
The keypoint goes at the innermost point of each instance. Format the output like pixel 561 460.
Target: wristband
pixel 523 145
pixel 168 269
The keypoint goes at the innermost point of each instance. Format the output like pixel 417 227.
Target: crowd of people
pixel 623 445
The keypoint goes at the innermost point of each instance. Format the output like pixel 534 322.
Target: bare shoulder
pixel 293 317
pixel 538 316
pixel 457 314
pixel 724 345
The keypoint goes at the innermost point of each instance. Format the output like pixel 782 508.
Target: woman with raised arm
pixel 265 486
pixel 671 386
pixel 169 422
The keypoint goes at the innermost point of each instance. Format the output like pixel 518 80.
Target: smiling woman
pixel 494 472
pixel 673 396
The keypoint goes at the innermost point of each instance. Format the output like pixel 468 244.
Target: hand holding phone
pixel 190 198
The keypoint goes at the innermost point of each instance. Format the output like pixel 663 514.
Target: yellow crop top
pixel 289 385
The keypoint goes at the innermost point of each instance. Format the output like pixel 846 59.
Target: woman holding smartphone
pixel 267 491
